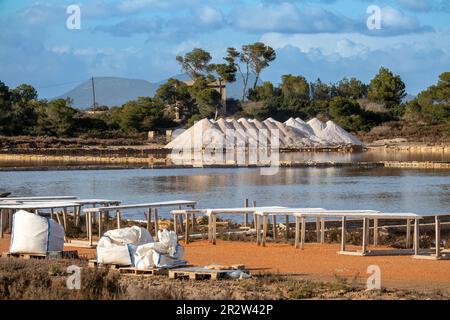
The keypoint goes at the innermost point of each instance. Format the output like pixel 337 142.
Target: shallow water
pixel 384 189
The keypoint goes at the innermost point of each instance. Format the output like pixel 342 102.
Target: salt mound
pixel 303 132
pixel 294 133
pixel 250 128
pixel 272 125
pixel 332 134
pixel 203 133
pixel 337 133
pixel 299 120
pixel 261 126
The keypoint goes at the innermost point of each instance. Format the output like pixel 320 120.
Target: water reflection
pixel 386 189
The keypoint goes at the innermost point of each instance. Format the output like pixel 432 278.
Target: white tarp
pixel 118 246
pixel 164 253
pixel 32 233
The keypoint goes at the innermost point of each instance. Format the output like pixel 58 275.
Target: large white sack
pixel 132 235
pixel 118 246
pixel 164 253
pixel 32 233
pixel 120 255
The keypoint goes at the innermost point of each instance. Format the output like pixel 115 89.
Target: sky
pixel 326 39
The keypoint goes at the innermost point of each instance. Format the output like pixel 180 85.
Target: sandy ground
pixel 315 262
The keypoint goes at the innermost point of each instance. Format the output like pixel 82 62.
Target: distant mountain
pixel 408 98
pixel 109 91
pixel 114 91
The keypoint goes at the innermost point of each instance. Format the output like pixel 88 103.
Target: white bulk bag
pixel 165 253
pixel 118 246
pixel 32 233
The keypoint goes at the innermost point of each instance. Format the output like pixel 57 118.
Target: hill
pixel 115 91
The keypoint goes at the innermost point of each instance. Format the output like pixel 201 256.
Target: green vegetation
pixel 356 106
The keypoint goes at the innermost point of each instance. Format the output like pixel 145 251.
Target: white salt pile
pixel 294 133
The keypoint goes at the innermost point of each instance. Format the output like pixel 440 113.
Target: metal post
pixel 438 236
pixel 297 231
pixel 286 217
pixel 364 237
pixel 375 231
pixel 246 214
pixel 416 237
pixel 343 234
pixel 303 232
pixel 408 233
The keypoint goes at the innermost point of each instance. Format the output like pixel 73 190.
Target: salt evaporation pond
pixel 385 189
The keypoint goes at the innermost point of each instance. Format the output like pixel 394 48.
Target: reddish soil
pixel 316 261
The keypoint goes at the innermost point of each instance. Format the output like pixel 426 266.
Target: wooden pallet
pixel 130 271
pixel 150 272
pixel 52 255
pixel 196 273
pixel 95 264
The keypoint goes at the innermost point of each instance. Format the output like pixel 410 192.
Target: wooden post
pixel 408 233
pixel 156 222
pixel 90 227
pixel 265 226
pixel 64 216
pixel 210 228
pixel 303 233
pixel 343 234
pixel 258 229
pixel 149 220
pixel 318 229
pixel 186 231
pixel 86 215
pixel 10 219
pixel 375 231
pixel 100 225
pixel 193 223
pixel 1 223
pixel 180 220
pixel 245 214
pixel 117 218
pixel 214 229
pixel 175 224
pixel 438 236
pixel 57 217
pixel 297 231
pixel 322 230
pixel 416 237
pixel 364 237
pixel 274 227
pixel 286 218
pixel 51 213
pixel 75 215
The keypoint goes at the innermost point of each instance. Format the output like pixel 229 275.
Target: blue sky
pixel 140 39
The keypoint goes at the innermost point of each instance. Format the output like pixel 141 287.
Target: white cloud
pixel 347 48
pixel 416 5
pixel 210 17
pixel 290 18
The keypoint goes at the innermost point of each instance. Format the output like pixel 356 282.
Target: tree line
pixel 353 104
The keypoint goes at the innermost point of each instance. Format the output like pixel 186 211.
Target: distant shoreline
pixel 156 157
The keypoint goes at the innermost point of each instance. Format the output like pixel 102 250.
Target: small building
pixel 219 86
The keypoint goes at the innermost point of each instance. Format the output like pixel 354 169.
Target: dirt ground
pixel 315 262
